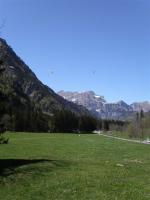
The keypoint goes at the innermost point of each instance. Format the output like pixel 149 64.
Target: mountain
pixel 87 99
pixel 138 106
pixel 119 110
pixel 99 106
pixel 20 86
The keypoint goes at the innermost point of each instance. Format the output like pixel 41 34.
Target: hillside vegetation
pixel 26 104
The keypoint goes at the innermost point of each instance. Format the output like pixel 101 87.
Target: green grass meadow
pixel 71 167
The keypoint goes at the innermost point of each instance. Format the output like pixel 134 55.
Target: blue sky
pixel 78 45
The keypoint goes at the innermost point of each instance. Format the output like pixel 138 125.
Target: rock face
pixel 87 99
pixel 98 105
pixel 119 110
pixel 24 83
pixel 145 106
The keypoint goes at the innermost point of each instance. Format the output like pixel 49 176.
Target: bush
pixel 3 140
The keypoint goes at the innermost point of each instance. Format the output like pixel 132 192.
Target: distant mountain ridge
pixel 101 108
pixel 137 106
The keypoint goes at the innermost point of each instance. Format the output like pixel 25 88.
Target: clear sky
pixel 78 45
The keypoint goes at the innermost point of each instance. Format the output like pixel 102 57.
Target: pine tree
pixel 141 123
pixel 3 140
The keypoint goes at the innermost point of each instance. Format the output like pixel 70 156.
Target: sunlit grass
pixel 68 166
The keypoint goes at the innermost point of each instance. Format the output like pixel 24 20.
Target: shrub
pixel 3 140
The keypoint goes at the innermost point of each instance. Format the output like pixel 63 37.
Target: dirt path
pixel 124 139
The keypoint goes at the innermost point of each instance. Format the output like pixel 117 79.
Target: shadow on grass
pixel 8 166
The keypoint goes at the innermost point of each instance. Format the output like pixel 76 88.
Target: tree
pixel 106 125
pixel 2 69
pixel 6 120
pixel 141 114
pixel 87 124
pixel 3 140
pixel 141 123
pixel 99 124
pixel 137 125
pixel 64 121
pixel 2 128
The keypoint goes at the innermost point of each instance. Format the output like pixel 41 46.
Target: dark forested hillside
pixel 25 102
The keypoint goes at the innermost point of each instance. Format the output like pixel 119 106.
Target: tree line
pixel 67 122
pixel 63 121
pixel 139 127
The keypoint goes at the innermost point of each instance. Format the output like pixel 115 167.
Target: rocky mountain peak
pixel 87 99
pixel 10 58
pixel 101 108
pixel 123 104
pixel 98 105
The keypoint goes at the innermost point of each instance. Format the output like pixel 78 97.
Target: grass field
pixel 69 167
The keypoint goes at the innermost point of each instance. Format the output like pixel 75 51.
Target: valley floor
pixel 69 166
